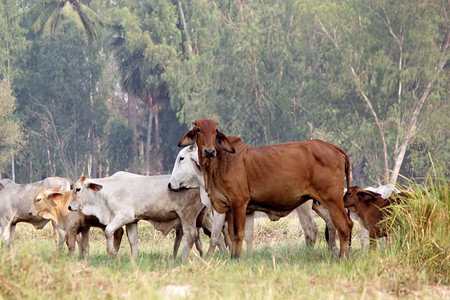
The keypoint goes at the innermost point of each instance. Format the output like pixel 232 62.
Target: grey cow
pixel 16 201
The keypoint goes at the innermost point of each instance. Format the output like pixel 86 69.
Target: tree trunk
pixel 187 40
pixel 93 157
pixel 399 154
pixel 149 141
pixel 132 122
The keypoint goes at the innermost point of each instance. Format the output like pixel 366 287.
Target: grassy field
pixel 415 264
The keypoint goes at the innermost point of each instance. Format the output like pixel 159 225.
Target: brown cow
pixel 53 205
pixel 371 208
pixel 274 179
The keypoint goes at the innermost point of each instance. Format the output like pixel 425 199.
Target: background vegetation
pixel 99 86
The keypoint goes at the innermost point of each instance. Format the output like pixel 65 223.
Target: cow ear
pixel 223 143
pixel 94 186
pixel 188 139
pixel 54 198
pixel 55 189
pixel 368 195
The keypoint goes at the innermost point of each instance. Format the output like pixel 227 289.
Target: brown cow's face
pixel 355 194
pixel 44 202
pixel 207 137
pixel 351 197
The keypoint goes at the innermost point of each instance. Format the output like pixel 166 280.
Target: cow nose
pixel 71 208
pixel 169 186
pixel 210 152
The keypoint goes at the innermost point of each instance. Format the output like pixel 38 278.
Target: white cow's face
pixel 78 201
pixel 186 171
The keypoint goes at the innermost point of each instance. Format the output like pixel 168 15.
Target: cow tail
pixel 348 171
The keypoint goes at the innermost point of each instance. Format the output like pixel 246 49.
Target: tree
pixel 11 135
pixel 59 105
pixel 50 14
pixel 146 46
pixel 374 49
pixel 12 47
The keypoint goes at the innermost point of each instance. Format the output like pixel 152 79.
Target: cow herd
pixel 217 184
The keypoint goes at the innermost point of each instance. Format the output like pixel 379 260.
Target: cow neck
pixel 63 206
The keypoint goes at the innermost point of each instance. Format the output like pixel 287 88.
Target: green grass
pixel 414 264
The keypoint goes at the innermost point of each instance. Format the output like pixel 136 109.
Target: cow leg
pixel 364 237
pixel 62 234
pixel 304 213
pixel 229 219
pixel 115 224
pixel 190 235
pixel 178 237
pixel 249 224
pixel 118 234
pixel 343 225
pixel 8 230
pixel 226 235
pixel 132 234
pixel 323 212
pixel 218 220
pixel 8 235
pixel 372 241
pixel 238 229
pixel 55 231
pixel 364 231
pixel 83 246
pixel 198 243
pixel 71 241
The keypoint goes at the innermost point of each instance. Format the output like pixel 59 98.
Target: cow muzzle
pixel 73 207
pixel 209 153
pixel 172 188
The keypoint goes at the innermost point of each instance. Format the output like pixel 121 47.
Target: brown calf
pixel 371 208
pixel 53 205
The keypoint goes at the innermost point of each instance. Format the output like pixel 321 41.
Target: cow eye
pixel 38 200
pixel 181 158
pixel 198 129
pixel 77 190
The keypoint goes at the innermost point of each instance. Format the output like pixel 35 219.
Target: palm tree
pixel 51 13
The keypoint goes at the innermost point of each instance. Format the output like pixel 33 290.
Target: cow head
pixel 45 201
pixel 186 171
pixel 77 201
pixel 355 194
pixel 207 137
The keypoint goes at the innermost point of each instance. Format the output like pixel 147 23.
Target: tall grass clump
pixel 420 235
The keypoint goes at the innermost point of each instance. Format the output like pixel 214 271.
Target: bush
pixel 420 227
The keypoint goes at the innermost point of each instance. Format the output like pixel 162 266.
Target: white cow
pixel 125 198
pixel 16 201
pixel 186 173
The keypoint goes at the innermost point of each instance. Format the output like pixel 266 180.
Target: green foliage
pixel 60 108
pixel 269 71
pixel 119 148
pixel 11 136
pixel 50 14
pixel 12 40
pixel 421 227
